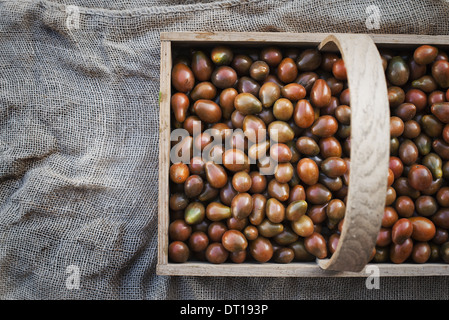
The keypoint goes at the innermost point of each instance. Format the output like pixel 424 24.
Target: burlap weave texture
pixel 79 83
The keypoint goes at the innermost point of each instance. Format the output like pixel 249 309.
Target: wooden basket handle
pixel 370 145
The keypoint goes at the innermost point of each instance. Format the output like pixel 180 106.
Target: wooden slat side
pixel 300 270
pixel 164 150
pixel 409 40
pixel 244 37
pixel 393 40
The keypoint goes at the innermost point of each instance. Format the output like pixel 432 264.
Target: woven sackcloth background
pixel 79 143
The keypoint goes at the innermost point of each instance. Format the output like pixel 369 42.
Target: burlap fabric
pixel 79 143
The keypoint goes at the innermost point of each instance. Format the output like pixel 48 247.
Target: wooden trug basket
pixel 370 141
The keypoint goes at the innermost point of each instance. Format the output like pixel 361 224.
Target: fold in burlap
pixel 79 143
